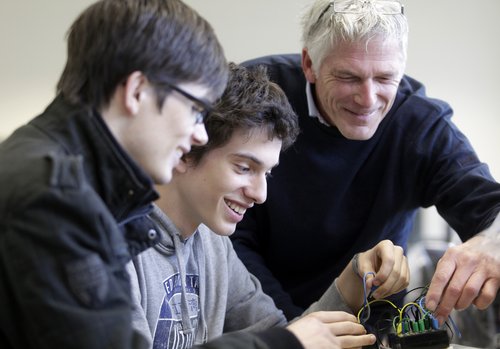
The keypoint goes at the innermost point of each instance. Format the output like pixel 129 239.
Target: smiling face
pixel 356 85
pixel 224 184
pixel 176 133
pixel 156 139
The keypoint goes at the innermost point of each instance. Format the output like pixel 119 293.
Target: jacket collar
pixel 124 187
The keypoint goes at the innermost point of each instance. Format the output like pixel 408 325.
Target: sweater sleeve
pixel 331 300
pixel 449 173
pixel 273 338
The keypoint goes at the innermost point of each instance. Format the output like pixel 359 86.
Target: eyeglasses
pixel 200 107
pixel 385 7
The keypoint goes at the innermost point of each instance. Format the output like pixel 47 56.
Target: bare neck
pixel 179 212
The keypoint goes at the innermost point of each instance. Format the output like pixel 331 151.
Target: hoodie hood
pixel 167 230
pixel 189 257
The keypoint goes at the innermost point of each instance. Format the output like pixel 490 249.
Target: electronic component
pixel 432 339
pixel 411 326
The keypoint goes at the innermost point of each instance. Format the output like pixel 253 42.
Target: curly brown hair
pixel 250 102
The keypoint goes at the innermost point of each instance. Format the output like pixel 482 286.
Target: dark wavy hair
pixel 249 102
pixel 164 39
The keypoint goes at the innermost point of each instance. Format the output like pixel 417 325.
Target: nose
pixel 257 189
pixel 366 94
pixel 200 136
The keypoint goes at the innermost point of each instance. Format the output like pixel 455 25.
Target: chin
pixel 225 230
pixel 362 137
pixel 162 178
pixel 356 134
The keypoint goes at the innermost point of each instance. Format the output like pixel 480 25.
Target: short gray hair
pixel 323 29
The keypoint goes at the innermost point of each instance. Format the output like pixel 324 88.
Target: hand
pixel 313 333
pixel 466 274
pixel 388 262
pixel 390 266
pixel 330 328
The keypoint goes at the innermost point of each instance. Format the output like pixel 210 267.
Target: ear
pixel 307 67
pixel 134 91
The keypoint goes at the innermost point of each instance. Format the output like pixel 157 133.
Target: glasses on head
pixel 201 108
pixel 385 7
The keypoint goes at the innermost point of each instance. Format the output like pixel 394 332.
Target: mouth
pixel 180 152
pixel 360 113
pixel 238 209
pixel 185 150
pixel 360 118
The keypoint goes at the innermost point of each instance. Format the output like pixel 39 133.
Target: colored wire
pixel 366 304
pixel 411 311
pixel 408 305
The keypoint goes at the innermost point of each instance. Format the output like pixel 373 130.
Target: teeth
pixel 235 208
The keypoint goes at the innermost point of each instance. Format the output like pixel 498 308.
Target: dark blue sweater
pixel 331 197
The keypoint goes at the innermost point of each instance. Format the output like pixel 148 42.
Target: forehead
pixel 253 145
pixel 252 137
pixel 373 53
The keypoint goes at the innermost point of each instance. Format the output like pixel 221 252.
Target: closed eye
pixel 242 168
pixel 349 78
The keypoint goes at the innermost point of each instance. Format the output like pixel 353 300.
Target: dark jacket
pixel 71 208
pixel 331 197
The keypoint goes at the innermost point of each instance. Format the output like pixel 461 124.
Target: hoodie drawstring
pixel 187 327
pixel 200 258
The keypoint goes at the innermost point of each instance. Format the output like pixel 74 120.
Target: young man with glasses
pixel 373 149
pixel 191 287
pixel 77 181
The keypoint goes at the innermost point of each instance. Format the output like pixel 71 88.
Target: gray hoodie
pixel 190 291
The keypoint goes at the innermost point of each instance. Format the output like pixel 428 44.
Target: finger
pixel 334 316
pixel 404 277
pixel 394 270
pixel 385 260
pixel 444 271
pixel 487 294
pixel 452 293
pixel 357 341
pixel 344 328
pixel 470 291
pixel 399 278
pixel 369 262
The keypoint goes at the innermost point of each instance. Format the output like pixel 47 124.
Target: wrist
pixel 355 265
pixel 350 286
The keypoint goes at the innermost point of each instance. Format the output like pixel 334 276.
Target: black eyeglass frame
pixel 204 107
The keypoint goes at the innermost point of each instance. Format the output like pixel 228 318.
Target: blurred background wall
pixel 454 49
